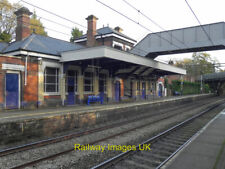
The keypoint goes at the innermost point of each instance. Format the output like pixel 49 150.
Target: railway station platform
pixel 206 150
pixel 21 114
pixel 25 124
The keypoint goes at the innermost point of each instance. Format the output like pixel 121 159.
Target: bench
pixel 94 98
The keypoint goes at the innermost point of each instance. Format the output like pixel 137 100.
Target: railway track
pixel 61 138
pixel 163 146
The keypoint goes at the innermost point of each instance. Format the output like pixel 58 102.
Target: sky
pixel 169 14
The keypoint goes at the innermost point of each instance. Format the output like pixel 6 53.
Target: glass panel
pixel 50 79
pixel 87 88
pixel 102 76
pixel 51 71
pixel 88 74
pixel 87 82
pixel 50 88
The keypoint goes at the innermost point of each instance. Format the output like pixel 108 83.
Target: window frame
pixel 138 85
pixel 104 79
pixel 91 85
pixel 56 83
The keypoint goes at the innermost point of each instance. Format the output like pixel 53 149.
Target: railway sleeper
pixel 135 165
pixel 146 162
pixel 153 155
pixel 155 158
pixel 174 141
pixel 168 144
pixel 170 138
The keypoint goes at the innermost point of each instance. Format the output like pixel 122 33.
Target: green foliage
pixel 7 20
pixel 201 63
pixel 5 37
pixel 166 83
pixel 75 33
pixel 188 87
pixel 36 25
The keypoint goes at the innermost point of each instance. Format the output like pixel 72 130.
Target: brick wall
pixel 31 88
pixel 29 93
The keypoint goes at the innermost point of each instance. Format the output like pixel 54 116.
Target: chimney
pixel 23 23
pixel 118 29
pixel 91 32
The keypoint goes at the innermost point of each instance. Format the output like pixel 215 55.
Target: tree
pixel 36 26
pixel 75 33
pixel 201 63
pixel 7 20
pixel 5 37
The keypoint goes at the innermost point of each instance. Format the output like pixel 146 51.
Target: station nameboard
pixel 12 67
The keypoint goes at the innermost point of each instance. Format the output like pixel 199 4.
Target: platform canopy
pixel 191 39
pixel 119 62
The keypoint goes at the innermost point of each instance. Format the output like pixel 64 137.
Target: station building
pixel 38 71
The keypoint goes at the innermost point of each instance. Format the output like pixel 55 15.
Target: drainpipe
pixel 25 78
pixel 63 84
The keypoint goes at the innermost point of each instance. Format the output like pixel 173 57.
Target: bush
pixel 188 87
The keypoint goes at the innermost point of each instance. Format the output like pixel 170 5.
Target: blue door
pixel 71 94
pixel 71 80
pixel 160 90
pixel 117 91
pixel 143 90
pixel 12 90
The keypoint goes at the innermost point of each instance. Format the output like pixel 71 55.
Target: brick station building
pixel 38 71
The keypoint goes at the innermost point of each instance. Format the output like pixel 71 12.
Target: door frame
pixel 143 91
pixel 19 87
pixel 75 77
pixel 119 94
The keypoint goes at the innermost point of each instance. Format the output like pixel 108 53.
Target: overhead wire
pixel 132 20
pixel 199 22
pixel 52 13
pixel 154 22
pixel 43 18
pixel 37 25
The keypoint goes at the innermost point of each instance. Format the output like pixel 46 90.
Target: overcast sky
pixel 170 14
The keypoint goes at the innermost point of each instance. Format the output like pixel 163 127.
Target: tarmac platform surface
pixel 206 150
pixel 15 115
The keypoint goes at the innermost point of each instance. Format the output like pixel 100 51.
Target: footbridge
pixel 191 39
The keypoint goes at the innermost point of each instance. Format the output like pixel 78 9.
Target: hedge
pixel 188 87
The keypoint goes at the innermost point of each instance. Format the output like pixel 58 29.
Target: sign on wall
pixel 13 67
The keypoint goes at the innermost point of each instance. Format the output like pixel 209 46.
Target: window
pixel 149 85
pixel 88 82
pixel 102 82
pixel 138 85
pixel 51 80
